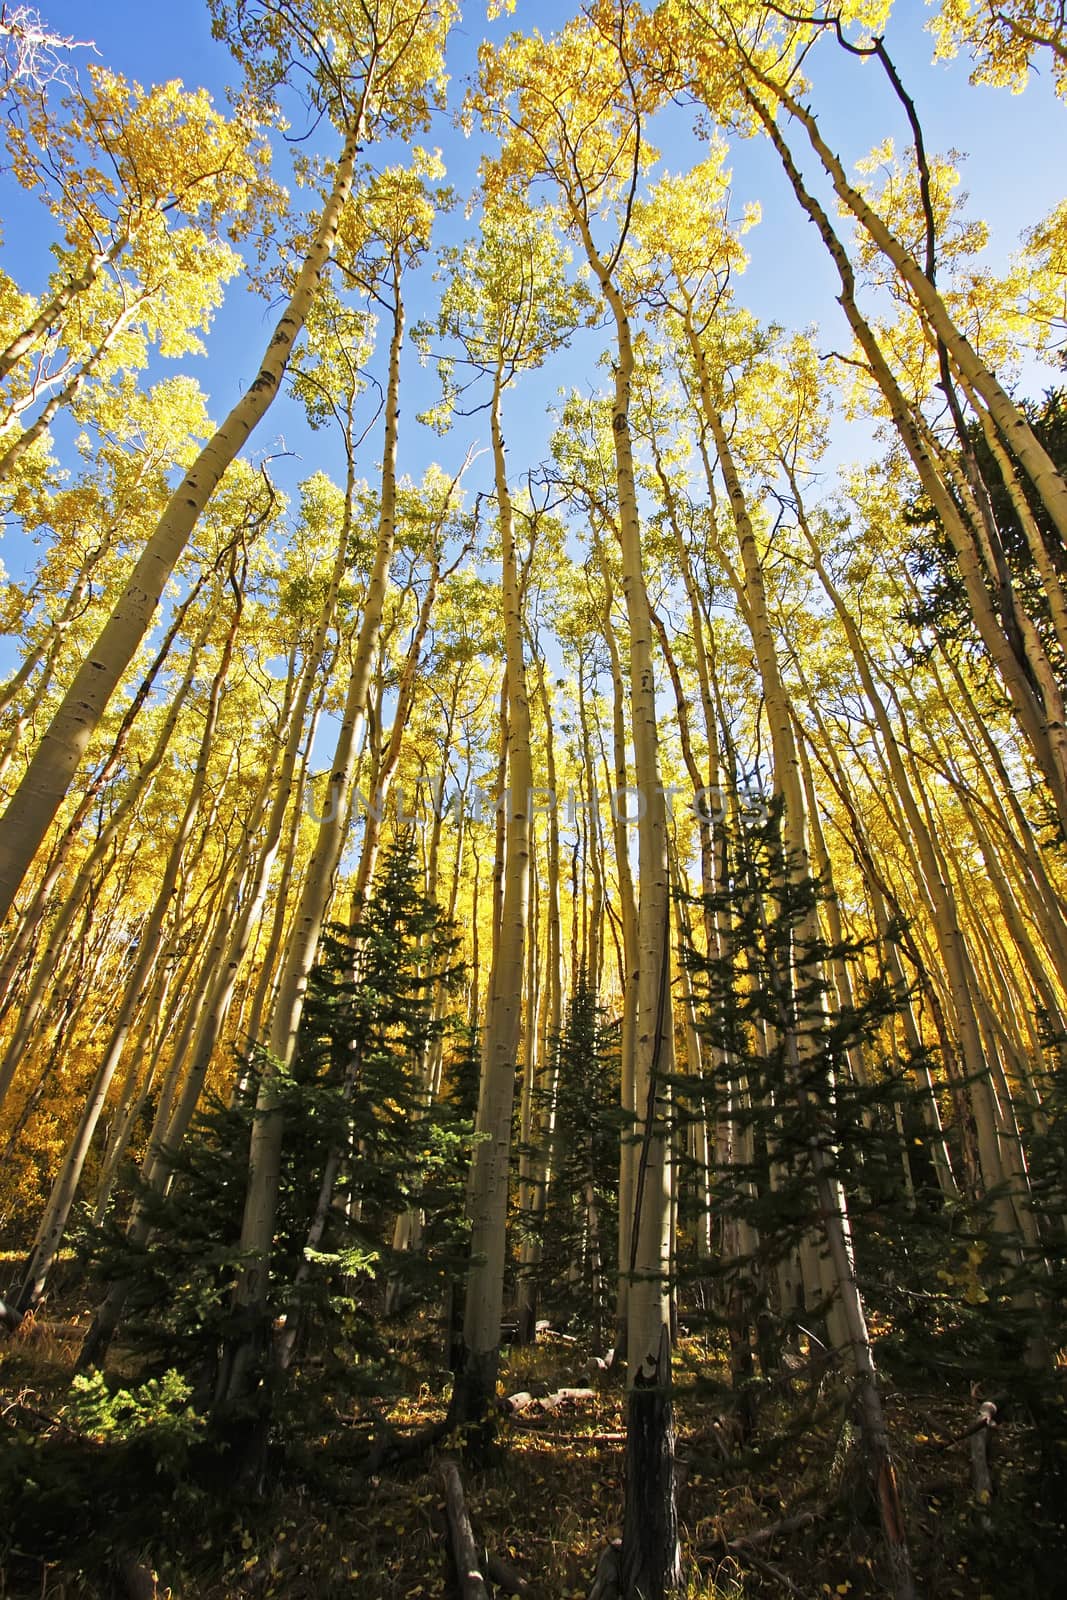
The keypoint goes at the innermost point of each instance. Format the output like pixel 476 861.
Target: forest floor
pixel 91 1513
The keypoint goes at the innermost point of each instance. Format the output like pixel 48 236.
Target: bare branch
pixel 31 52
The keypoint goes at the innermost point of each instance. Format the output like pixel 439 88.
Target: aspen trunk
pixel 530 1120
pixel 474 1391
pixel 538 1173
pixel 406 691
pixel 627 975
pixel 651 1564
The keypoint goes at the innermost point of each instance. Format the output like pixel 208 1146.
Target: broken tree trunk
pixel 980 1474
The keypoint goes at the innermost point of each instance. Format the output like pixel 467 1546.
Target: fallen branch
pixel 464 1550
pixel 982 1423
pixel 45 1418
pixel 32 1328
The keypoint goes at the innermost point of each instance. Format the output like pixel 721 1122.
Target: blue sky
pixel 1014 144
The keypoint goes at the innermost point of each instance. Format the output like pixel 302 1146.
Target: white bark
pixel 475 1387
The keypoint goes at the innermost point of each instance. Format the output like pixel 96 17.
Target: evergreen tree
pixel 776 1127
pixel 579 1222
pixel 362 1144
pixel 944 609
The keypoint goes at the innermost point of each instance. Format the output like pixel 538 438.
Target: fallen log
pixel 464 1550
pixel 545 1330
pixel 517 1404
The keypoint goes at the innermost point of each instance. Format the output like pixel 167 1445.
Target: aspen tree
pixel 507 309
pixel 395 220
pixel 586 474
pixel 593 842
pixel 1008 417
pixel 698 265
pixel 896 935
pixel 31 995
pixel 1010 890
pixel 699 270
pixel 1044 738
pixel 53 1224
pixel 629 963
pixel 407 1230
pixel 93 523
pixel 734 1134
pixel 388 60
pixel 143 187
pixel 942 901
pixel 535 1170
pixel 1016 830
pixel 140 184
pixel 243 905
pixel 431 542
pixel 573 112
pixel 269 936
pixel 336 514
